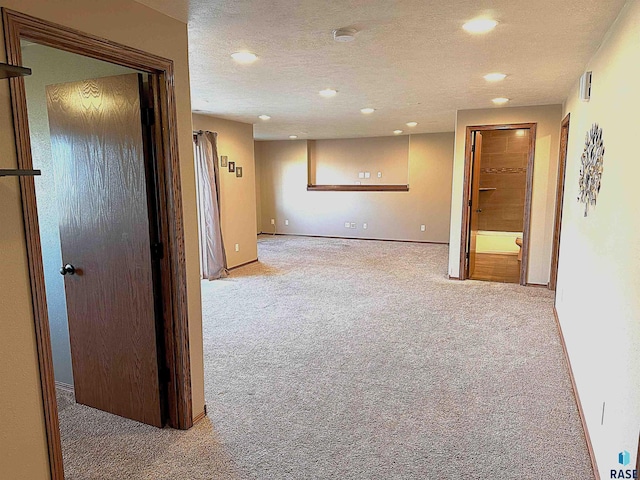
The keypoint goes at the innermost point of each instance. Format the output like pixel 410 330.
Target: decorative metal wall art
pixel 591 167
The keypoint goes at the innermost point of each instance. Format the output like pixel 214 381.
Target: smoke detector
pixel 344 34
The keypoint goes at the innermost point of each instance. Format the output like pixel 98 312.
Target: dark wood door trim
pixel 18 26
pixel 562 166
pixel 466 194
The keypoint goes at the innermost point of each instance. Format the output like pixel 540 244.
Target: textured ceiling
pixel 411 60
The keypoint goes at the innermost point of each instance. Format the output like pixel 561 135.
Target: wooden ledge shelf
pixel 358 188
pixel 11 71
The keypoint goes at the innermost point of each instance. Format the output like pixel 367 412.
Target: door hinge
pixel 469 202
pixel 157 252
pixel 148 117
pixel 473 148
pixel 467 255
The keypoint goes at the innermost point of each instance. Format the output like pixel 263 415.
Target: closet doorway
pixel 64 120
pixel 497 189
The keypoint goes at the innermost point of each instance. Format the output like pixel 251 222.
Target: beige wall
pixel 340 161
pixel 237 195
pixel 23 452
pixel 599 270
pixel 548 119
pixel 389 215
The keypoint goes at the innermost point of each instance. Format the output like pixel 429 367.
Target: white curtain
pixel 213 261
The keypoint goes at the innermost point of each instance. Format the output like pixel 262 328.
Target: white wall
pixel 389 215
pixel 548 119
pixel 598 299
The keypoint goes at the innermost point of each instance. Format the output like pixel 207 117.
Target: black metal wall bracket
pixel 5 172
pixel 11 71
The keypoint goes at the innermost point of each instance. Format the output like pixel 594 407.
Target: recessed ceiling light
pixel 344 34
pixel 495 77
pixel 412 124
pixel 264 117
pixel 367 110
pixel 328 92
pixel 397 132
pixel 480 25
pixel 244 57
pixel 293 137
pixel 500 100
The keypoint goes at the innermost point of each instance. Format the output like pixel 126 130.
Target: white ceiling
pixel 411 60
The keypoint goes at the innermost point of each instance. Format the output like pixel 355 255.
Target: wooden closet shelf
pixel 11 71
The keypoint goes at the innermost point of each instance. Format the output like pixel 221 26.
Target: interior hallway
pixel 358 359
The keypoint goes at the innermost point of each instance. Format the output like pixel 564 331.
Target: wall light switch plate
pixel 237 247
pixel 353 225
pixel 286 222
pixel 223 160
pixel 364 226
pixel 347 225
pixel 273 221
pixel 423 228
pixel 379 174
pixel 367 174
pixel 361 175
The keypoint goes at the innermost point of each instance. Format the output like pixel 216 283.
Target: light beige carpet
pixel 353 359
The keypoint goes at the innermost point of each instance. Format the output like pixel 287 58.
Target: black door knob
pixel 68 269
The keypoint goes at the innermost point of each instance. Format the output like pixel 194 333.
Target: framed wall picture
pixel 238 171
pixel 232 167
pixel 223 160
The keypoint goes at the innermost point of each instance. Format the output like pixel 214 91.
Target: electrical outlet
pixel 353 224
pixel 273 221
pixel 361 175
pixel 379 174
pixel 286 222
pixel 423 228
pixel 358 183
pixel 237 247
pixel 347 225
pixel 367 174
pixel 364 226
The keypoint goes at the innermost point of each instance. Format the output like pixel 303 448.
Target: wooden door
pixel 475 202
pixel 98 153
